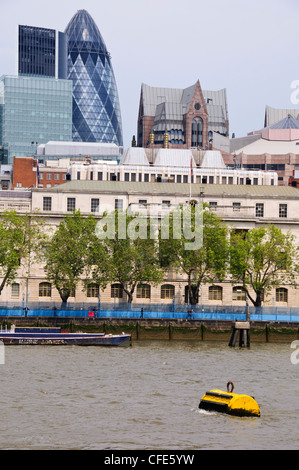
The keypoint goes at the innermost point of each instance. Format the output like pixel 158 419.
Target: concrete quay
pixel 164 329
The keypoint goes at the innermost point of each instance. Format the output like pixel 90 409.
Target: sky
pixel 248 47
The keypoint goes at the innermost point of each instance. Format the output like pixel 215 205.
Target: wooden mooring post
pixel 240 328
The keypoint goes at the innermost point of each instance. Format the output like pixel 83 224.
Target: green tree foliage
pixel 67 253
pixel 21 239
pixel 263 258
pixel 126 253
pixel 203 262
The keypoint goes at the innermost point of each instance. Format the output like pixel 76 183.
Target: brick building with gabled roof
pixel 181 118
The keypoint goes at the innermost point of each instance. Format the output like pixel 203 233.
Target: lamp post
pixel 99 302
pixel 247 310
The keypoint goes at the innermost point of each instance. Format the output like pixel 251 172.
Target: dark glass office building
pixel 42 52
pixel 96 108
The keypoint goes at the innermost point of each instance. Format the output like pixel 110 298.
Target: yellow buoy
pixel 229 402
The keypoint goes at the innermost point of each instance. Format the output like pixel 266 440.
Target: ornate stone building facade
pixel 242 207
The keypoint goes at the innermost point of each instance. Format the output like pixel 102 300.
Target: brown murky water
pixel 145 397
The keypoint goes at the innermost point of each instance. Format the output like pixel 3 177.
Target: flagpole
pixel 191 174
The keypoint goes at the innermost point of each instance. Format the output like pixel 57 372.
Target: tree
pixel 130 253
pixel 263 258
pixel 67 252
pixel 21 239
pixel 203 262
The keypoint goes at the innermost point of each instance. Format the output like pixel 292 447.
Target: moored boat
pixel 54 337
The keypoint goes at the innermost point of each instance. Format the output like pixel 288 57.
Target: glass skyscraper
pixel 33 111
pixel 42 52
pixel 96 108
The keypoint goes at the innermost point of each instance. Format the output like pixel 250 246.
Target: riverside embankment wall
pixel 162 329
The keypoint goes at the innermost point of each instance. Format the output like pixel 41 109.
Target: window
pixel 78 175
pixel 118 204
pixel 179 178
pixel 41 176
pixel 215 293
pixel 185 178
pixel 239 293
pixel 165 203
pixel 282 261
pixel 116 291
pixel 259 210
pixel 167 291
pixel 94 205
pixel 283 210
pixel 196 133
pixel 146 177
pixel 281 294
pixel 15 289
pixel 142 202
pixel 143 291
pixel 44 254
pixel 133 176
pixel 236 206
pixel 93 290
pixel 44 289
pixel 100 175
pixel 56 176
pixel 213 205
pixel 127 176
pixel 71 204
pixel 275 167
pixel 47 203
pixel 49 176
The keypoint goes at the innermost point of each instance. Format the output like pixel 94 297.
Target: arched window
pixel 187 294
pixel 167 291
pixel 239 293
pixel 93 290
pixel 215 293
pixel 194 134
pixel 199 132
pixel 281 294
pixel 45 289
pixel 116 291
pixel 143 291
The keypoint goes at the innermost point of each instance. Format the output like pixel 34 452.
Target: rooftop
pixel 175 189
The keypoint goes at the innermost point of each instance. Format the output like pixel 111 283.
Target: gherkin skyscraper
pixel 96 108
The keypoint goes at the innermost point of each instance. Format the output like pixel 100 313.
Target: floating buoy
pixel 229 402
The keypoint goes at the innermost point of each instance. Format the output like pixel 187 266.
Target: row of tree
pixel 258 259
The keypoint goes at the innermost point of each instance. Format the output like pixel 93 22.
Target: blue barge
pixel 54 337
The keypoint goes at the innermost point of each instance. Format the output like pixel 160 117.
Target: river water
pixel 146 397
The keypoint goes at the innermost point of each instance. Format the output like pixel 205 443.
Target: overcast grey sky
pixel 249 47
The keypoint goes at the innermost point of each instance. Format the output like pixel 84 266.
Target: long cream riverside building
pixel 240 206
